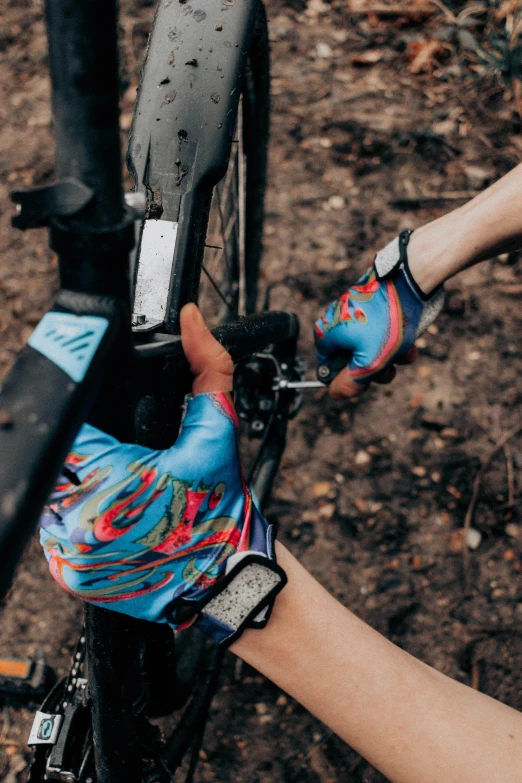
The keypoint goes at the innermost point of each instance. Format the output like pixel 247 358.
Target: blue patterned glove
pixel 379 318
pixel 168 536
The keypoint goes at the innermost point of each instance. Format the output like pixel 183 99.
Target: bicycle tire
pixel 253 126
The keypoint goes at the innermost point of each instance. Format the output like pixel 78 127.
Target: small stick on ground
pixel 510 475
pixel 474 496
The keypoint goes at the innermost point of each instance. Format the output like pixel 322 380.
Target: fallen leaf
pixel 423 55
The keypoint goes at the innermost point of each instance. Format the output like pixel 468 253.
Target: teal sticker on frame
pixel 68 340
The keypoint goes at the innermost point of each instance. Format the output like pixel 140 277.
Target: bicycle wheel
pixel 233 244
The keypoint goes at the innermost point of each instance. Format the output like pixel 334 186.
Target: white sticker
pixel 45 729
pixel 158 242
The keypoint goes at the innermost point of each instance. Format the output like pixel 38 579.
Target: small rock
pixel 321 488
pixel 374 507
pixel 509 555
pixel 419 470
pixel 421 343
pixel 513 530
pixel 478 175
pixel 336 202
pixel 323 50
pixel 261 708
pixel 282 701
pixel 433 329
pixel 474 356
pixel 265 719
pixel 362 458
pixel 473 538
pixel 327 511
pixel 416 562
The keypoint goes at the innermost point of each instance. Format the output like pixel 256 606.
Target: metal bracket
pixel 36 206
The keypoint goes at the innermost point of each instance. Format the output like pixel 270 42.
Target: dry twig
pixel 510 475
pixel 474 496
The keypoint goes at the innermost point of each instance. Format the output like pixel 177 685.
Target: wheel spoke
pixel 216 287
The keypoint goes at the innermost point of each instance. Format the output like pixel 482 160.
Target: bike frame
pixel 92 232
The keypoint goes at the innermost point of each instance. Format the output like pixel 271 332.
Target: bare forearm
pixel 411 722
pixel 489 224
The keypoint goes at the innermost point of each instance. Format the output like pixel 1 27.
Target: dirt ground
pixel 384 117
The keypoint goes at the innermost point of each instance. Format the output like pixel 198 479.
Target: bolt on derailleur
pixel 267 386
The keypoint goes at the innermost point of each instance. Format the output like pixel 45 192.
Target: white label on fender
pixel 45 729
pixel 158 241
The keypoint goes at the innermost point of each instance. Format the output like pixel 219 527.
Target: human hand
pixel 376 322
pixel 168 536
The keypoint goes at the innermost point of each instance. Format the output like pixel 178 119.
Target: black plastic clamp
pixel 36 206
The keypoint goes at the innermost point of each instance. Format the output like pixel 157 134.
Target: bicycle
pixel 197 153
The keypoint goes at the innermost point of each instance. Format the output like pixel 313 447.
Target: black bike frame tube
pixel 93 251
pixel 84 72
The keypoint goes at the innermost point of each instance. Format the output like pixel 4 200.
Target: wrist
pixel 435 252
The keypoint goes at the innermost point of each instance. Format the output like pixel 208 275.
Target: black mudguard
pixel 187 100
pixel 184 122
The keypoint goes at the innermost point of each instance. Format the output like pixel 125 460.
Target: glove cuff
pixel 395 256
pixel 241 599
